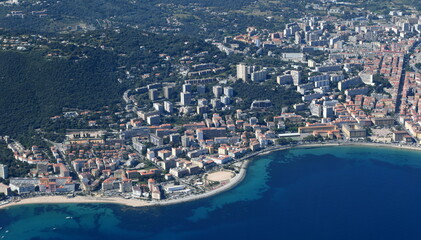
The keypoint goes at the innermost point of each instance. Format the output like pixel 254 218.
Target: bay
pixel 347 192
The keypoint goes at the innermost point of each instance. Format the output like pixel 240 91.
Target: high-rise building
pixel 229 91
pixel 217 91
pixel 186 87
pixel 153 94
pixel 168 107
pixel 216 103
pixel 4 171
pixel 296 77
pixel 242 72
pixel 168 91
pixel 298 38
pixel 185 141
pixel 225 100
pixel 185 98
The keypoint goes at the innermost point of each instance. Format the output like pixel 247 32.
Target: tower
pixel 242 72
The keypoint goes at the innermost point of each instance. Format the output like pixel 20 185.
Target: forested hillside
pixel 33 88
pixel 87 71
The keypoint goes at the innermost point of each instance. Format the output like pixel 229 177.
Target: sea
pixel 338 193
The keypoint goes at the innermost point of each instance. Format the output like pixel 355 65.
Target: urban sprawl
pixel 359 81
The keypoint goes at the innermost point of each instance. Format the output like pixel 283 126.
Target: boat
pixel 68 217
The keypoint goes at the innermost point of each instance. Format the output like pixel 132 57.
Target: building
pixel 200 81
pixel 175 138
pixel 186 88
pixel 217 91
pixel 225 100
pixel 168 107
pixel 85 136
pixel 321 83
pixel 23 185
pixel 318 78
pixel 367 78
pixel 312 96
pixel 260 104
pixel 138 145
pixel 156 140
pixel 221 159
pixel 4 171
pixel 216 103
pixel 386 121
pixel 158 107
pixel 173 188
pixel 202 109
pixel 229 91
pixel 336 78
pixel 296 57
pixel 168 91
pixel 353 131
pixel 296 77
pixel 315 109
pixel 179 172
pixel 398 136
pixel 348 83
pixel 153 94
pixel 357 91
pixel 258 76
pixel 210 133
pixel 284 79
pixel 333 68
pixel 185 141
pixel 303 88
pixel 185 98
pixel 153 120
pixel 311 63
pixel 316 127
pixel 4 189
pixel 242 72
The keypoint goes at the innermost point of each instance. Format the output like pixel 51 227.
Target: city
pixel 347 81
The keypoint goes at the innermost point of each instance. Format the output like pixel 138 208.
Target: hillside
pixel 34 88
pixel 86 71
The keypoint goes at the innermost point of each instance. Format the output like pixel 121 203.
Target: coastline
pixel 232 183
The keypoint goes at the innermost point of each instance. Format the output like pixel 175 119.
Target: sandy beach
pixel 231 184
pixel 77 199
pixel 130 202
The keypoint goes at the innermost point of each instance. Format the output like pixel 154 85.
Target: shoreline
pixel 237 179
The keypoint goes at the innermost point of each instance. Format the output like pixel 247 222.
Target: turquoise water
pixel 316 193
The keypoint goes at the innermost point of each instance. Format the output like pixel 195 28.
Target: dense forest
pixel 34 89
pixel 279 96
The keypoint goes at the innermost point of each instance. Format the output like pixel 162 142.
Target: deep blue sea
pixel 324 193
